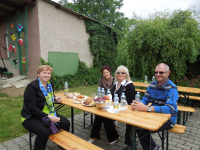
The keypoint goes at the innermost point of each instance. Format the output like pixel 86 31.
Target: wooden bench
pixel 180 129
pixel 69 141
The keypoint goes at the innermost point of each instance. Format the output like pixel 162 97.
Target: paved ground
pixel 190 140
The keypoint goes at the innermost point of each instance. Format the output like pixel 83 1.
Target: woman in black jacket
pixel 122 84
pixel 38 103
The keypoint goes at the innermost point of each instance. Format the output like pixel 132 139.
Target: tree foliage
pixel 105 11
pixel 172 38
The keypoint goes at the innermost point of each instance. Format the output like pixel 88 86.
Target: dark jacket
pixel 34 101
pixel 127 88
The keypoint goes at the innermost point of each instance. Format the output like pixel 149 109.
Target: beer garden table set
pixel 137 119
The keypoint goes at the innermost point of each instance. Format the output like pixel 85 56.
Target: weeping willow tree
pixel 173 38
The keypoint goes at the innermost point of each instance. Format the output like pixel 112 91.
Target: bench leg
pixel 167 137
pixel 30 144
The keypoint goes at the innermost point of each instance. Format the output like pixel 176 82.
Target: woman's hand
pixel 58 98
pixel 135 105
pixel 54 118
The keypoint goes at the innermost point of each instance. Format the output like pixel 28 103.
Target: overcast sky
pixel 144 7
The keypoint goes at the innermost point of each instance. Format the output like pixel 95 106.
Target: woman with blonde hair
pixel 122 84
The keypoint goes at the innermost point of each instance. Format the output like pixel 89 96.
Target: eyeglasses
pixel 121 73
pixel 156 72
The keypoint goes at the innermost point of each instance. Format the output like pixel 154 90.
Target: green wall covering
pixel 63 62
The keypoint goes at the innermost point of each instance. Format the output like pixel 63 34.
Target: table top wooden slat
pixel 146 120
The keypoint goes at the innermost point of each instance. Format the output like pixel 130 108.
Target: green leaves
pixel 170 38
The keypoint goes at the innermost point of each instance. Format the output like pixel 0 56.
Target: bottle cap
pixel 116 95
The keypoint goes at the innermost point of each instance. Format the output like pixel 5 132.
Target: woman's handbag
pixel 54 127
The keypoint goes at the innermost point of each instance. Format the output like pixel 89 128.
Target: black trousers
pixel 109 126
pixel 145 134
pixel 36 126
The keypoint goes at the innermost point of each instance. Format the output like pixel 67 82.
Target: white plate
pixel 87 105
pixel 77 102
pixel 81 98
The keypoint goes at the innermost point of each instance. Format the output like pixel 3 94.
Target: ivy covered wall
pixel 103 42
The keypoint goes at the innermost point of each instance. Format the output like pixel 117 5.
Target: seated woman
pixel 38 103
pixel 122 84
pixel 107 80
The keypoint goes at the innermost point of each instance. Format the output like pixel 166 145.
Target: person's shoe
pixel 128 148
pixel 93 141
pixel 113 142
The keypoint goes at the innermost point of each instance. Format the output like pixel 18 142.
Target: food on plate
pixel 69 95
pixel 107 97
pixel 78 100
pixel 100 100
pixel 80 96
pixel 76 94
pixel 89 101
pixel 92 104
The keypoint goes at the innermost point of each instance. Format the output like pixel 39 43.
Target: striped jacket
pixel 164 98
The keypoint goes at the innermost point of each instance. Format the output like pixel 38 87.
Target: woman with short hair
pixel 38 103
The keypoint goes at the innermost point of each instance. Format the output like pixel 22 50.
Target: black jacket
pixel 127 88
pixel 34 101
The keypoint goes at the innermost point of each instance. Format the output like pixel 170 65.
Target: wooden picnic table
pixel 138 119
pixel 185 90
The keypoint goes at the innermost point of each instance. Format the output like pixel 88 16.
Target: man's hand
pixel 135 105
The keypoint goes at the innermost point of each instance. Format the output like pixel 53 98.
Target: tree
pixel 163 37
pixel 105 11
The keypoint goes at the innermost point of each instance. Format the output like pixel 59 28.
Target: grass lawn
pixel 10 122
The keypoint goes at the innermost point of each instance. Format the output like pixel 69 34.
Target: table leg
pixel 91 119
pixel 185 100
pixel 72 119
pixel 149 140
pixel 133 133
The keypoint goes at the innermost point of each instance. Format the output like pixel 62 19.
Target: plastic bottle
pixel 108 93
pixel 137 97
pixel 66 88
pixel 116 103
pixel 124 103
pixel 102 92
pixel 145 80
pixel 98 92
pixel 153 78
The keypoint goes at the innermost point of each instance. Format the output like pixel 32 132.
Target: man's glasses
pixel 121 73
pixel 156 72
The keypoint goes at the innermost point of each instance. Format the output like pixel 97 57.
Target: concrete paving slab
pixel 20 86
pixel 13 79
pixel 7 86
